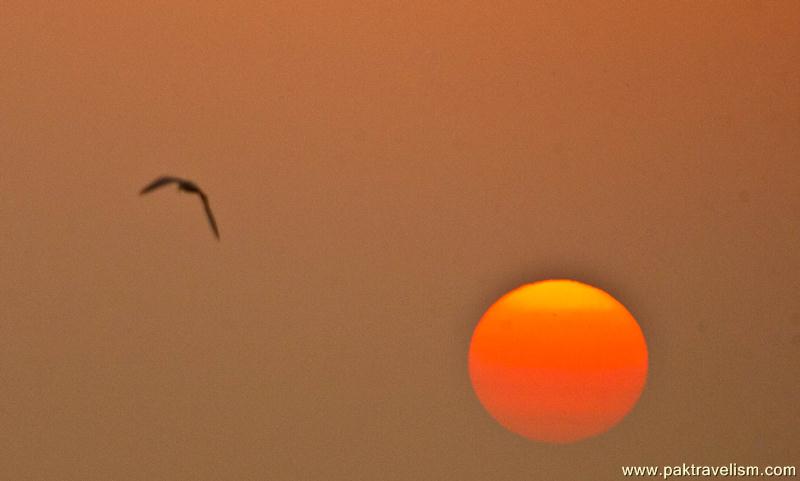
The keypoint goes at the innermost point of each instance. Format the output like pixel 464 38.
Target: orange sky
pixel 381 174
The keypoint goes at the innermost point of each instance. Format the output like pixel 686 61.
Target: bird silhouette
pixel 185 186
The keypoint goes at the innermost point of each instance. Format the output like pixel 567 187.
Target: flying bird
pixel 185 186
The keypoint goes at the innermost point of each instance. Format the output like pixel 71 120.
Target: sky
pixel 381 173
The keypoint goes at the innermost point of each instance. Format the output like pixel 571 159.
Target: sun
pixel 558 361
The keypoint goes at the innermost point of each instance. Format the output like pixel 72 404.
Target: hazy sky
pixel 380 175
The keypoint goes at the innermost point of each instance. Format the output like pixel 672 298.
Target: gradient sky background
pixel 381 174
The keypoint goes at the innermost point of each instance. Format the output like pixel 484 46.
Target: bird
pixel 185 186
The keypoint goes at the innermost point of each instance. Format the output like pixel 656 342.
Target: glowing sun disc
pixel 558 361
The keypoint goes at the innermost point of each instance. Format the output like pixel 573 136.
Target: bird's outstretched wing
pixel 209 214
pixel 159 182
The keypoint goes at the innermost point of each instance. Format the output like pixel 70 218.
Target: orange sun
pixel 558 361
